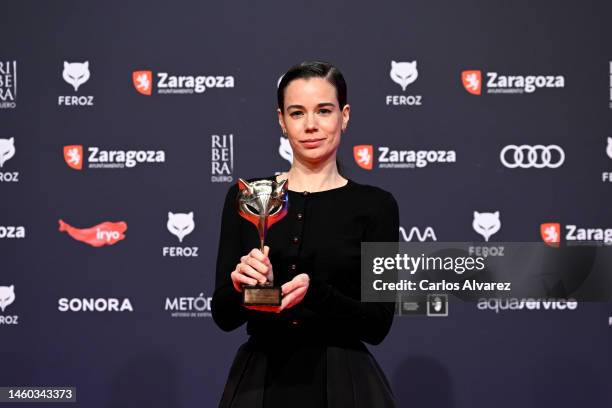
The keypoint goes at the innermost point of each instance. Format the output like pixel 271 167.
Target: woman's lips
pixel 312 143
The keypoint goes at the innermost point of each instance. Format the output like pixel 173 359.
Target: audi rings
pixel 537 156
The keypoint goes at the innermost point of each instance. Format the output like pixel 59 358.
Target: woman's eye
pixel 295 114
pixel 324 111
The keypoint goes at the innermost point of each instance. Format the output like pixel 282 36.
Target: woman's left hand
pixel 295 290
pixel 293 293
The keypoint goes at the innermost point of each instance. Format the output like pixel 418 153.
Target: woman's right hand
pixel 255 267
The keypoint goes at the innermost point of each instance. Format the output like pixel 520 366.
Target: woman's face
pixel 312 119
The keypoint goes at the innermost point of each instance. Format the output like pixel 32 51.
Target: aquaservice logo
pixel 106 233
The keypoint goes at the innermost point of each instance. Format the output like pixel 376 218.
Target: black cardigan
pixel 321 235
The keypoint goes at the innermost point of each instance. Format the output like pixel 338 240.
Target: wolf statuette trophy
pixel 262 203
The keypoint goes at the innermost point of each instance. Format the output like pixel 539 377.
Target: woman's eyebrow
pixel 320 105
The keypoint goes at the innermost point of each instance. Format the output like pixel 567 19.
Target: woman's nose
pixel 311 123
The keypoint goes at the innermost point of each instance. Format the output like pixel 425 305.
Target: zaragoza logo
pixel 551 233
pixel 364 156
pixel 106 233
pixel 73 155
pixel 143 81
pixel 472 81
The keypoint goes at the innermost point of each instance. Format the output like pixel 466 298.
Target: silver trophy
pixel 263 203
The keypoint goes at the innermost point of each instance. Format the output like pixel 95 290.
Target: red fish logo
pixel 364 156
pixel 143 82
pixel 551 233
pixel 472 81
pixel 106 233
pixel 73 156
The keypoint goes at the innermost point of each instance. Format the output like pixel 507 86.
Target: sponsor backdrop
pixel 124 125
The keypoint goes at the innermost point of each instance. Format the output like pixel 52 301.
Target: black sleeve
pixel 371 320
pixel 227 310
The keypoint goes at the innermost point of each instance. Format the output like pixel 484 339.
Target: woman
pixel 308 352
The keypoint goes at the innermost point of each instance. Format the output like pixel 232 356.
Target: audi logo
pixel 538 156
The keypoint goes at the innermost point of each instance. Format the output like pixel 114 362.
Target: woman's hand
pixel 253 268
pixel 293 293
pixel 295 290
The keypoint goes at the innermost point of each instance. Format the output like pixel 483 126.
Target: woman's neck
pixel 313 178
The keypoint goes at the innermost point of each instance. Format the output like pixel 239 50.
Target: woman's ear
pixel 346 110
pixel 281 121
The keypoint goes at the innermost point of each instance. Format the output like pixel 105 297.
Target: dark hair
pixel 313 69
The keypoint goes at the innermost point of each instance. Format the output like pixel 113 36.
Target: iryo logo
pixel 106 233
pixel 73 155
pixel 472 81
pixel 364 156
pixel 143 82
pixel 551 233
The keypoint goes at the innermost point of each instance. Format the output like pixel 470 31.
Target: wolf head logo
pixel 608 150
pixel 7 150
pixel 7 296
pixel 404 73
pixel 284 149
pixel 262 200
pixel 486 224
pixel 76 73
pixel 180 224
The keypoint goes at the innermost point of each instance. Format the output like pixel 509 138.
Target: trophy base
pixel 253 295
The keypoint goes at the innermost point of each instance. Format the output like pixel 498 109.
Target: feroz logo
pixel 610 84
pixel 7 150
pixel 7 297
pixel 364 156
pixel 537 156
pixel 73 155
pixel 404 74
pixel 180 225
pixel 143 82
pixel 486 223
pixel 551 233
pixel 106 233
pixel 472 81
pixel 8 84
pixel 75 74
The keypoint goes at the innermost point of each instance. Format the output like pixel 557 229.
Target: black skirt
pixel 305 374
